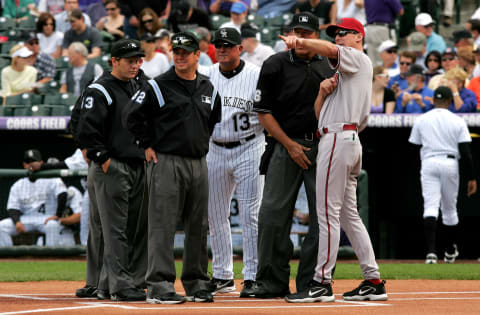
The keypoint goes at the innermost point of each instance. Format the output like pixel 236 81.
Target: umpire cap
pixel 126 48
pixel 32 155
pixel 305 20
pixel 227 34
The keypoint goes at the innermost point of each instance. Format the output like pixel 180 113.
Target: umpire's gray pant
pixel 178 190
pixel 120 196
pixel 275 249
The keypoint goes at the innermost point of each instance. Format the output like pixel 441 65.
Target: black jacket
pixel 98 126
pixel 166 117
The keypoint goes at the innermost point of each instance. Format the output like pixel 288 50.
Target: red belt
pixel 345 127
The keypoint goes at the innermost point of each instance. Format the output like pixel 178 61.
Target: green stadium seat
pixel 4 62
pixel 41 110
pixel 20 99
pixel 5 50
pixel 60 110
pixel 102 61
pixel 7 110
pixel 216 20
pixel 22 111
pixel 28 25
pixel 256 19
pixel 266 35
pixel 60 99
pixel 51 87
pixel 62 63
pixel 6 23
pixel 276 21
pixel 287 18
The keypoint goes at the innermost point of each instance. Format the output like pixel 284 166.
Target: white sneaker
pixel 431 258
pixel 450 258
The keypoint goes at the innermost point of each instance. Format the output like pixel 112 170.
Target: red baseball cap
pixel 346 24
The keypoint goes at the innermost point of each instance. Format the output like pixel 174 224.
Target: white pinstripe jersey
pixel 74 200
pixel 36 198
pixel 237 94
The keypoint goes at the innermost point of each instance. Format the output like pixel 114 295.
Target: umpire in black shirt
pixel 173 118
pixel 287 88
pixel 117 172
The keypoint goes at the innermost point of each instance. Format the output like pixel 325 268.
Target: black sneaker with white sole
pixel 316 292
pixel 87 291
pixel 449 258
pixel 200 296
pixel 367 291
pixel 128 295
pixel 169 298
pixel 248 289
pixel 221 286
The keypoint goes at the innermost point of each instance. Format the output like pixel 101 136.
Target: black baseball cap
pixel 415 69
pixel 227 34
pixel 305 20
pixel 32 155
pixel 249 30
pixel 180 10
pixel 461 34
pixel 125 48
pixel 443 93
pixel 75 14
pixel 185 40
pixel 449 51
pixel 148 37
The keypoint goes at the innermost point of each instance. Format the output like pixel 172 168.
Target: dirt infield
pixel 405 297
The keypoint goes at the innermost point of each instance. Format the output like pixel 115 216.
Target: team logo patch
pixel 206 99
pixel 223 33
pixel 303 19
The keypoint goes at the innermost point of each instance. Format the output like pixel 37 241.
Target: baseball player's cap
pixel 415 69
pixel 449 51
pixel 305 20
pixel 442 93
pixel 227 34
pixel 32 155
pixel 346 24
pixel 424 19
pixel 461 34
pixel 249 30
pixel 417 41
pixel 148 37
pixel 75 14
pixel 126 48
pixel 238 7
pixel 185 40
pixel 386 45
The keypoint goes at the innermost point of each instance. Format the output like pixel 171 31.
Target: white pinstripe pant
pixel 232 170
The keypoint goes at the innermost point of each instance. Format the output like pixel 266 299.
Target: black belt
pixel 379 23
pixel 450 156
pixel 308 136
pixel 233 144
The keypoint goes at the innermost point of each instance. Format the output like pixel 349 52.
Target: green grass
pixel 68 270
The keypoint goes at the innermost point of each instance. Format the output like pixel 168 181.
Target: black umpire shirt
pixel 287 89
pixel 99 128
pixel 173 118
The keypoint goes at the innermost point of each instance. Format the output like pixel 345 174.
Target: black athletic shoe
pixel 221 286
pixel 316 292
pixel 259 291
pixel 450 258
pixel 367 291
pixel 248 289
pixel 200 296
pixel 86 292
pixel 103 295
pixel 169 298
pixel 128 295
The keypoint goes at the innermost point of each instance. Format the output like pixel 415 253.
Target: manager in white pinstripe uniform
pixel 236 147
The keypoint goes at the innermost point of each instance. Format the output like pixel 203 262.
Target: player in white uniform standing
pixel 343 108
pixel 443 137
pixel 236 146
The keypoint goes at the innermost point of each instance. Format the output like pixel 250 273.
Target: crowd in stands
pixel 44 42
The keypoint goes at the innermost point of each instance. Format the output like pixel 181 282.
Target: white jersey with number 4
pixel 238 94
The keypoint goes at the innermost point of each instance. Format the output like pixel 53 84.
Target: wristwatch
pixel 455 94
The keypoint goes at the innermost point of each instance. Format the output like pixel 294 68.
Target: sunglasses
pixel 433 59
pixel 147 21
pixel 111 9
pixel 51 24
pixel 447 58
pixel 391 51
pixel 343 33
pixel 33 42
pixel 224 45
pixel 403 63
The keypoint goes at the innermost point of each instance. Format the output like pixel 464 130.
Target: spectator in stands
pixel 96 11
pixel 80 32
pixel 449 61
pixel 184 17
pixel 223 6
pixel 50 6
pixel 19 77
pixel 464 100
pixel 383 98
pixel 466 60
pixel 149 22
pixel 62 20
pixel 49 39
pixel 204 43
pixel 83 4
pixel 280 45
pixel 380 15
pixel 388 53
pixel 476 70
pixel 81 73
pixel 131 10
pixel 18 10
pixel 474 27
pixel 351 9
pixel 399 83
pixel 424 24
pixel 44 63
pixel 238 16
pixel 36 205
pixel 474 84
pixel 433 64
pixel 417 44
pixel 462 38
pixel 254 51
pixel 325 10
pixel 113 22
pixel 154 63
pixel 162 43
pixel 417 98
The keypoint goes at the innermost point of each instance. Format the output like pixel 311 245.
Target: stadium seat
pixel 59 99
pixel 27 25
pixel 7 110
pixel 62 63
pixel 51 87
pixel 276 21
pixel 20 99
pixel 217 20
pixel 266 35
pixel 4 62
pixel 60 110
pixel 25 110
pixel 41 110
pixel 256 19
pixel 6 23
pixel 102 61
pixel 5 49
